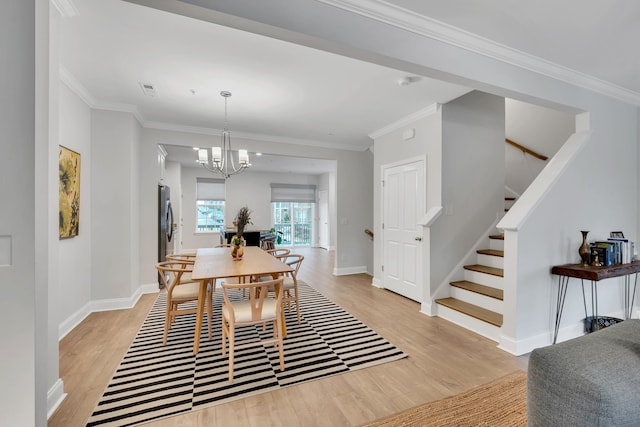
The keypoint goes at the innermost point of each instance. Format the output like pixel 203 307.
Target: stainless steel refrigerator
pixel 165 225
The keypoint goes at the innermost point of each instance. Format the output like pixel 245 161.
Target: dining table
pixel 212 264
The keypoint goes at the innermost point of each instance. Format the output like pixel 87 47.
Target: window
pixel 210 200
pixel 293 207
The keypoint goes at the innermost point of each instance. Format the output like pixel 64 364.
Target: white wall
pixel 390 148
pixel 251 189
pixel 24 213
pixel 354 198
pixel 47 240
pixel 114 210
pixel 549 234
pixel 472 179
pixel 74 255
pixel 352 183
pixel 541 129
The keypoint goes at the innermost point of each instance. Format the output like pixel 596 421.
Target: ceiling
pixel 294 94
pixel 280 91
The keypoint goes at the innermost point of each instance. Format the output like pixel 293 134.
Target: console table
pixel 594 274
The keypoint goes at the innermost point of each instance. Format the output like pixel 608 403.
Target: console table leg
pixel 629 295
pixel 594 304
pixel 563 281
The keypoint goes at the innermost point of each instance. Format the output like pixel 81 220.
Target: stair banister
pixel 526 150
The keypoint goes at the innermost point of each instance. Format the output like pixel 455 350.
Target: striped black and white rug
pixel 155 381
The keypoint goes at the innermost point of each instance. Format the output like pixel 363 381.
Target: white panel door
pixel 403 206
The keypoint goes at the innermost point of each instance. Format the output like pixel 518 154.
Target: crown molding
pixel 405 121
pixel 66 8
pixel 76 87
pixel 172 127
pixel 385 12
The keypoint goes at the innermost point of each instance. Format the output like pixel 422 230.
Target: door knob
pixel 418 239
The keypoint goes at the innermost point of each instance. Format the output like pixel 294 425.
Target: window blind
pixel 210 189
pixel 293 193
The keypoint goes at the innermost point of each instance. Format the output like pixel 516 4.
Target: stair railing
pixel 526 150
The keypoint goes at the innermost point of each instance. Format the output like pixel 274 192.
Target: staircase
pixel 476 302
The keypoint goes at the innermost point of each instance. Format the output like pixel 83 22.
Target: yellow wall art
pixel 69 189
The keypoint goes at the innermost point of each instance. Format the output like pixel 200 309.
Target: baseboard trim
pixel 74 320
pixel 376 282
pixel 55 396
pixel 428 309
pixel 350 270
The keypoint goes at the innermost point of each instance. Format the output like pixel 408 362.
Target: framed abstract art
pixel 69 193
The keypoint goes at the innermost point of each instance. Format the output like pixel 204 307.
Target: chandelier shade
pixel 221 161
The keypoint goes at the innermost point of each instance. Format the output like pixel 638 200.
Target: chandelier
pixel 222 161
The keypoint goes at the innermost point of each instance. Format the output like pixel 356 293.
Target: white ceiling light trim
pixel 408 20
pixel 405 121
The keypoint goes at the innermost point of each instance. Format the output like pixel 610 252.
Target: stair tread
pixel 497 236
pixel 485 269
pixel 479 289
pixel 492 252
pixel 474 311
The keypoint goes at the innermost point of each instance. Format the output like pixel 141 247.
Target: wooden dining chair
pixel 259 309
pixel 187 260
pixel 180 291
pixel 290 282
pixel 281 254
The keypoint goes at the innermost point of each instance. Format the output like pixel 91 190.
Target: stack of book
pixel 612 251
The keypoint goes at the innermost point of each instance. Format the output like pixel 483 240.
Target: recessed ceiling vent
pixel 149 90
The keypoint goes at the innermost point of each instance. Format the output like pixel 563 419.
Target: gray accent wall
pixel 472 178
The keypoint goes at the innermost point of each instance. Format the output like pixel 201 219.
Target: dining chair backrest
pixel 181 257
pixel 294 261
pixel 171 272
pixel 277 252
pixel 258 294
pixel 259 309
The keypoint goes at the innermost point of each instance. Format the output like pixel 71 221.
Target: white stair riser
pixel 477 299
pixel 496 244
pixel 484 279
pixel 478 326
pixel 491 261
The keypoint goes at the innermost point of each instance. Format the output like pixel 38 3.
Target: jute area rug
pixel 501 403
pixel 155 381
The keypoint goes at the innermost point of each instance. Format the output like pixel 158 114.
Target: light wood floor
pixel 444 360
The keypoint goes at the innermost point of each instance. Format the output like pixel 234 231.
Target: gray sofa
pixel 593 380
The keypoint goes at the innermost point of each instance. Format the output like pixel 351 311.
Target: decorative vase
pixel 237 252
pixel 584 249
pixel 237 247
